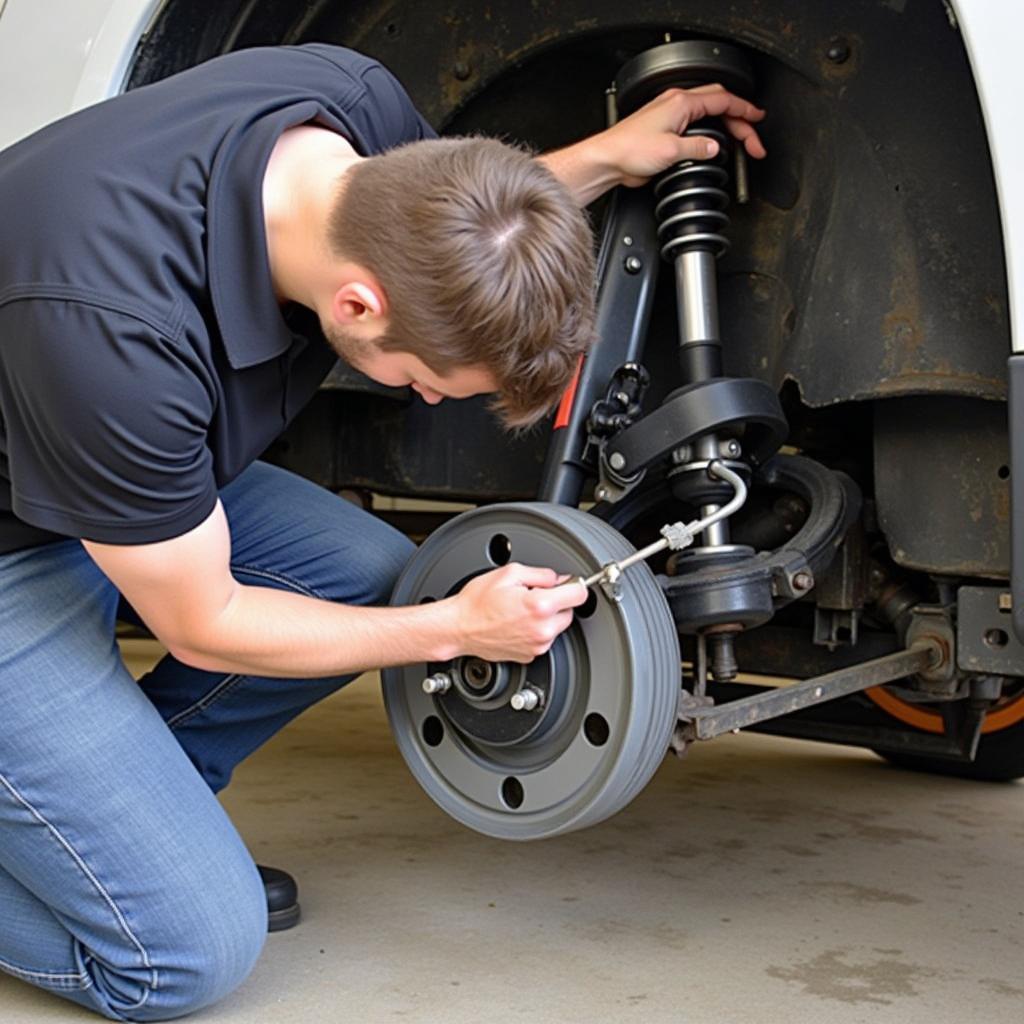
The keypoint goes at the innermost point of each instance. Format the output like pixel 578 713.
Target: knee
pixel 376 561
pixel 211 966
pixel 198 958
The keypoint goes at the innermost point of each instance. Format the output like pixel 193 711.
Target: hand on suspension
pixel 650 140
pixel 514 613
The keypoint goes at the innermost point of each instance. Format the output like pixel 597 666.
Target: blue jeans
pixel 124 887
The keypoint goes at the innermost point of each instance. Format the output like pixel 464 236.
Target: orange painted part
pixel 931 721
pixel 565 406
pixel 928 721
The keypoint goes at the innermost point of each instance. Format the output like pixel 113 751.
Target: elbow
pixel 193 656
pixel 192 647
pixel 197 640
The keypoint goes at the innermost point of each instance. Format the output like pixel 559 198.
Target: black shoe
pixel 282 898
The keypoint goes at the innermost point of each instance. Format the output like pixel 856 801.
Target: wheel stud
pixel 527 699
pixel 438 683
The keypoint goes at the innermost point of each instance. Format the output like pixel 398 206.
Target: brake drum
pixel 605 694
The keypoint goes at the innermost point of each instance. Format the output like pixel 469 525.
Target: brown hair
pixel 485 259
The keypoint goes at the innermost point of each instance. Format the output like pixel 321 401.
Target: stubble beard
pixel 354 351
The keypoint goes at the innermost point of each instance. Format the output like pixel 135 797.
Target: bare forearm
pixel 650 140
pixel 276 633
pixel 186 594
pixel 583 169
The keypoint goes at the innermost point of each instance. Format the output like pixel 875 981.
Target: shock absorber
pixel 691 200
pixel 678 451
pixel 708 424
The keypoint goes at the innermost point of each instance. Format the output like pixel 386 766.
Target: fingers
pixel 551 600
pixel 696 147
pixel 530 575
pixel 553 628
pixel 717 101
pixel 518 611
pixel 747 135
pixel 557 589
pixel 738 115
pixel 699 147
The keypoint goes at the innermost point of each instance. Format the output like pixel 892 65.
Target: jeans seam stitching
pixel 95 882
pixel 277 577
pixel 55 976
pixel 207 700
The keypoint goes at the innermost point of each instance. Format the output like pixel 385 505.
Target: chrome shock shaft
pixel 691 201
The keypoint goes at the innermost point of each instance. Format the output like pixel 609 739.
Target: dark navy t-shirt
pixel 144 361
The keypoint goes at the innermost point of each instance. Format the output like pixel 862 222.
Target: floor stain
pixel 731 844
pixel 1001 987
pixel 830 976
pixel 862 894
pixel 797 851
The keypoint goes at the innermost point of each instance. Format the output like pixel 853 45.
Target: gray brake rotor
pixel 609 685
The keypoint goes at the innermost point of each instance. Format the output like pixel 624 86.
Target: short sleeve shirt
pixel 144 359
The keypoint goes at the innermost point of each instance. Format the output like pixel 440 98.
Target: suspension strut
pixel 717 587
pixel 690 203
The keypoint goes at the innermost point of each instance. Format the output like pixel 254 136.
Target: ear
pixel 359 299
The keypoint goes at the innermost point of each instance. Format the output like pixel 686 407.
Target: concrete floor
pixel 761 880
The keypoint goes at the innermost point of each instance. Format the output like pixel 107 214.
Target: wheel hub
pixel 480 704
pixel 527 751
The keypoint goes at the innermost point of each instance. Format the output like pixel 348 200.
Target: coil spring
pixel 691 200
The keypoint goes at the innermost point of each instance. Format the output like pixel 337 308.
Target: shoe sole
pixel 282 920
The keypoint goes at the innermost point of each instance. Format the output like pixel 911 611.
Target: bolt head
pixel 838 51
pixel 633 264
pixel 803 581
pixel 617 460
pixel 461 70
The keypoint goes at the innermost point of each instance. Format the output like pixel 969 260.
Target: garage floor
pixel 760 880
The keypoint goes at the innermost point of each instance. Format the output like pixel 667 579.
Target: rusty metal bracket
pixel 704 723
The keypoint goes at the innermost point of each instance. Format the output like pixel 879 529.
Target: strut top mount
pixel 681 65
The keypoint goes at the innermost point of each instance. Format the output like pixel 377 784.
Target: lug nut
pixel 438 683
pixel 526 699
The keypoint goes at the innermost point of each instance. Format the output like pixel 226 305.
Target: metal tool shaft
pixel 680 535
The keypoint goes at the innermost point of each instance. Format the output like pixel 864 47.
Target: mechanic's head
pixel 481 274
